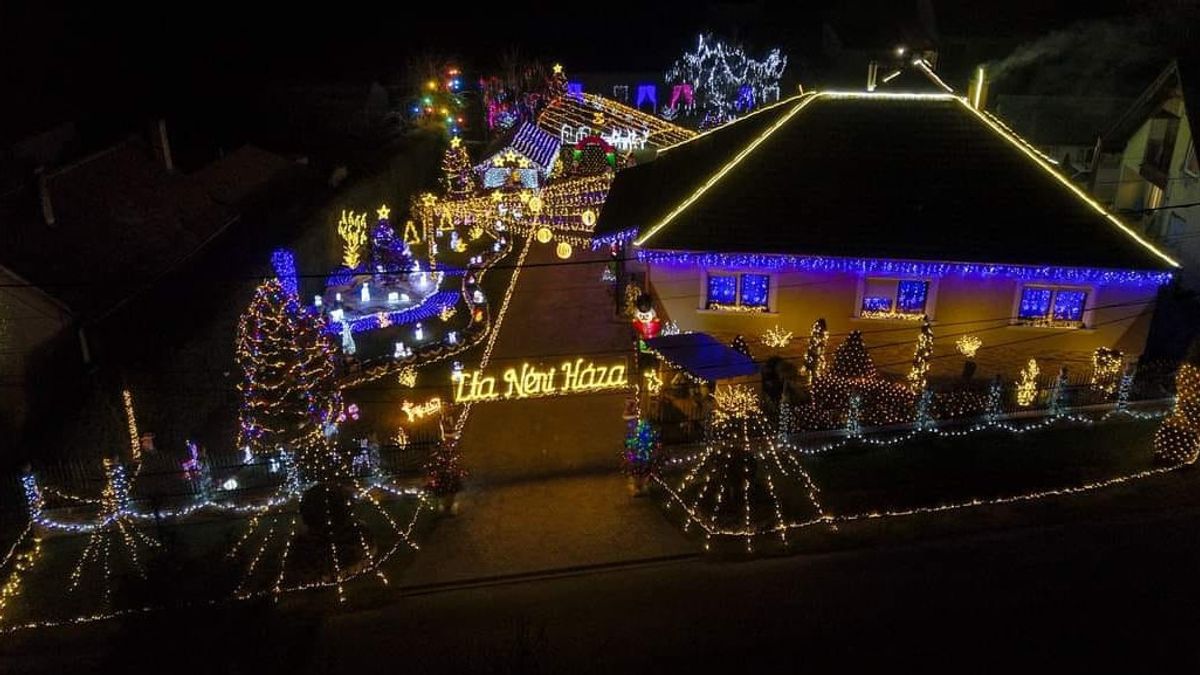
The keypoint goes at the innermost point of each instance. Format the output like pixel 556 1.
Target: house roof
pixel 870 175
pixel 1180 77
pixel 581 111
pixel 534 144
pixel 122 221
pixel 702 356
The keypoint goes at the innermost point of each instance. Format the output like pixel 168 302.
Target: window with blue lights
pixel 895 299
pixel 755 289
pixel 738 293
pixel 1049 306
pixel 722 291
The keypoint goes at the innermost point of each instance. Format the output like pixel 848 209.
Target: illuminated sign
pixel 529 381
pixel 423 410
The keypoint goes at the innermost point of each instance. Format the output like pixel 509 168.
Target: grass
pixel 934 471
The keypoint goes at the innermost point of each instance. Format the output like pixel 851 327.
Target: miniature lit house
pixel 525 160
pixel 873 210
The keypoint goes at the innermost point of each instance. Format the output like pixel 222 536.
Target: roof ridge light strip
pixel 928 70
pixel 790 99
pixel 1020 145
pixel 715 178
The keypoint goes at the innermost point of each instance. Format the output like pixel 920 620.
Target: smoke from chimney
pixel 1090 58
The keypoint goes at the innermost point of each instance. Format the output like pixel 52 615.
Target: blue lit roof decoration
pixel 915 268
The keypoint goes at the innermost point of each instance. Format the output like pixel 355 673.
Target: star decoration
pixel 557 68
pixel 455 142
pixel 383 212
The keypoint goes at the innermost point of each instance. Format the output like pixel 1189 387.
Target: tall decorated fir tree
pixel 458 178
pixel 814 355
pixel 917 375
pixel 289 385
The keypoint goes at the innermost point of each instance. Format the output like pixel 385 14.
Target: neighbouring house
pixel 873 210
pixel 81 242
pixel 1067 128
pixel 523 157
pixel 1157 181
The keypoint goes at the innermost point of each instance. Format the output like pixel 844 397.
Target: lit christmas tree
pixel 444 473
pixel 725 79
pixel 921 355
pixel 642 456
pixel 556 85
pixel 851 360
pixel 458 178
pixel 389 253
pixel 1178 439
pixel 814 356
pixel 289 388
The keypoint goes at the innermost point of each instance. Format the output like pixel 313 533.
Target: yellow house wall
pixel 1119 318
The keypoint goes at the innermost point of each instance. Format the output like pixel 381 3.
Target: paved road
pixel 545 491
pixel 1120 596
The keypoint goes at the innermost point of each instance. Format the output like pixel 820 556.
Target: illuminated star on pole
pixel 383 212
pixel 455 142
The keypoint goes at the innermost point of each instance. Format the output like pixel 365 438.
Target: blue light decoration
pixel 1035 303
pixel 430 308
pixel 745 98
pixel 575 90
pixel 618 238
pixel 284 264
pixel 911 295
pixel 722 290
pixel 910 268
pixel 1068 305
pixel 755 289
pixel 647 92
pixel 877 303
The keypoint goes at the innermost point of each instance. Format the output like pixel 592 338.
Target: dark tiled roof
pixel 921 179
pixel 122 221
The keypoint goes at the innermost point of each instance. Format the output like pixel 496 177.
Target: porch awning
pixel 702 356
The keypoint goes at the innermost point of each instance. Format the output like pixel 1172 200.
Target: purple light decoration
pixel 284 264
pixel 647 92
pixel 885 266
pixel 431 307
pixel 619 238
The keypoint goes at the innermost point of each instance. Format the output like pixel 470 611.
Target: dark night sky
pixel 63 61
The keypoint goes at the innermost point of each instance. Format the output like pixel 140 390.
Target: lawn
pixel 862 479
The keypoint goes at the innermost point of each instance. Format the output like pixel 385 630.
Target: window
pixel 755 289
pixel 743 292
pixel 895 299
pixel 1045 306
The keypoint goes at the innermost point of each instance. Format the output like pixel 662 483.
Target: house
pixel 1157 181
pixel 525 157
pixel 83 241
pixel 872 210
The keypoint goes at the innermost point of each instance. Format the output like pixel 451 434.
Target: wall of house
pixel 1117 317
pixel 29 320
pixel 1176 229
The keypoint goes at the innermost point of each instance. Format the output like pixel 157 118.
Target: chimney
pixel 161 144
pixel 979 89
pixel 872 74
pixel 43 187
